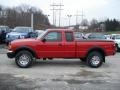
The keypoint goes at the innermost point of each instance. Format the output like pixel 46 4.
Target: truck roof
pixel 59 29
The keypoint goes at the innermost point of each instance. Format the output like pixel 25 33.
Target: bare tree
pixel 21 16
pixel 84 22
pixel 94 24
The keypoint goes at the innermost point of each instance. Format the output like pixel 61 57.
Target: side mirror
pixel 43 40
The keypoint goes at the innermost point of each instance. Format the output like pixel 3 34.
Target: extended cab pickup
pixel 60 44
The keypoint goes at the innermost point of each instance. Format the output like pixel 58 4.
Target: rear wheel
pixel 95 59
pixel 24 59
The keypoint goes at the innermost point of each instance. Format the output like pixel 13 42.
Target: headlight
pixel 9 46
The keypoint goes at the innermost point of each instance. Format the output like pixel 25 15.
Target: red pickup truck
pixel 57 43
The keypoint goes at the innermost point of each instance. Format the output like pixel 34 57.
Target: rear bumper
pixel 10 54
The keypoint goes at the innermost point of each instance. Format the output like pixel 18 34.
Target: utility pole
pixel 69 17
pixel 82 15
pixel 60 5
pixel 55 18
pixel 77 15
pixel 55 8
pixel 32 20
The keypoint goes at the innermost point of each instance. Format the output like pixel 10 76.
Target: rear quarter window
pixel 69 36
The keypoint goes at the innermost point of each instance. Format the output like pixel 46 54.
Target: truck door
pixel 69 45
pixel 53 45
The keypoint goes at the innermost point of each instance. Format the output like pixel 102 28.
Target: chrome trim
pixel 9 51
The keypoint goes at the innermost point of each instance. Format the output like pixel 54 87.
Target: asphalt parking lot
pixel 59 74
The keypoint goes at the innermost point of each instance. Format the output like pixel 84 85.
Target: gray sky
pixel 98 9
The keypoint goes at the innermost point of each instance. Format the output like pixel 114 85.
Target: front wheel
pixel 95 59
pixel 24 59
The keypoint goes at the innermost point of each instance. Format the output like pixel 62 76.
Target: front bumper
pixel 10 54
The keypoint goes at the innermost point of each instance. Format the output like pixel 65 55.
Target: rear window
pixel 69 36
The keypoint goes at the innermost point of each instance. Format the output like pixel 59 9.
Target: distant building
pixel 71 27
pixel 83 27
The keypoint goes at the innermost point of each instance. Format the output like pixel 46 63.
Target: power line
pixel 56 7
pixel 82 15
pixel 53 13
pixel 77 15
pixel 69 17
pixel 60 13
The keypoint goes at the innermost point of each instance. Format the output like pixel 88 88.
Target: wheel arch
pixel 27 49
pixel 102 51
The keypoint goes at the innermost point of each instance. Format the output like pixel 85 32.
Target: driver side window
pixel 53 36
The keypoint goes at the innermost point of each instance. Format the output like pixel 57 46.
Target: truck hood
pixel 25 42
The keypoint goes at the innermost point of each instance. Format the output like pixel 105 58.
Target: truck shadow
pixel 65 63
pixel 59 63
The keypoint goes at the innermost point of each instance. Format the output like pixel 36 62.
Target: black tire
pixel 83 59
pixel 95 59
pixel 24 59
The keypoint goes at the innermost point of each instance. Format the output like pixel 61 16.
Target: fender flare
pixel 26 48
pixel 99 49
